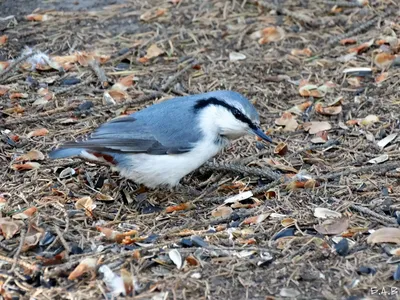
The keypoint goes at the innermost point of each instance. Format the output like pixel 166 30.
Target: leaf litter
pixel 329 101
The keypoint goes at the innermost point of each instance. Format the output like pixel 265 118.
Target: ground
pixel 59 215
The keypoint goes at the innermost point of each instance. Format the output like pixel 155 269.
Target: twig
pixel 33 268
pixel 79 113
pixel 173 78
pixel 101 75
pixel 15 64
pixel 63 242
pixel 364 26
pixel 367 211
pixel 16 255
pixel 381 168
pixel 284 11
pixel 267 173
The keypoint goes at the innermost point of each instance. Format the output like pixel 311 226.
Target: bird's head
pixel 229 115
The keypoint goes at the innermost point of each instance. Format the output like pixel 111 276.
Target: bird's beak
pixel 258 132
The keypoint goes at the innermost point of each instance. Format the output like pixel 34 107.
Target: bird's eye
pixel 236 113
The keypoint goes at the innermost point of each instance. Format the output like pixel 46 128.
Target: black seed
pixel 342 248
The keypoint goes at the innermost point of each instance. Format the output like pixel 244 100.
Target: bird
pixel 160 144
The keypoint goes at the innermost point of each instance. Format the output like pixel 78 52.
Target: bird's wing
pixel 140 135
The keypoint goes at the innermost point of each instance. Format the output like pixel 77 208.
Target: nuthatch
pixel 162 143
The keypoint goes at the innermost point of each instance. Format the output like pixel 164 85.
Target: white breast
pixel 155 170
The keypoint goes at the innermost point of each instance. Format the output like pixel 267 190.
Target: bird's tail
pixel 65 152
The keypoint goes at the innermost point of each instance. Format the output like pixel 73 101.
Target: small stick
pixel 101 75
pixel 367 211
pixel 33 268
pixel 16 255
pixel 172 79
pixel 63 242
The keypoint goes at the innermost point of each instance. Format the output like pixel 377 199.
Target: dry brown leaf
pixel 255 220
pixel 38 17
pixel 222 211
pixel 26 214
pixel 154 51
pixel 32 238
pixel 277 165
pixel 300 108
pixel 385 235
pixel 3 89
pixel 152 14
pixel 281 149
pixel 329 110
pixel 288 121
pixel 269 34
pixel 18 96
pixel 31 155
pixel 345 42
pixel 379 79
pixel 86 204
pixel 384 60
pixel 9 227
pixel 361 48
pixel 301 52
pixel 3 39
pixel 333 226
pixel 4 65
pixel 183 206
pixel 25 166
pixel 38 132
pixel 124 83
pixel 314 127
pixel 87 265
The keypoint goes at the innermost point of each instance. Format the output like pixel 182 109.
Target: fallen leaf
pixel 385 235
pixel 18 96
pixel 38 132
pixel 321 137
pixel 368 120
pixel 4 65
pixel 3 89
pixel 38 17
pixel 222 211
pixel 269 34
pixel 345 42
pixel 310 90
pixel 288 121
pixel 387 140
pixel 239 197
pixel 332 226
pixel 26 214
pixel 25 166
pixel 154 51
pixel 384 60
pixel 86 204
pixel 314 127
pixel 31 155
pixel 87 265
pixel 287 222
pixel 329 110
pixel 183 206
pixel 176 257
pixel 124 83
pixel 9 227
pixel 3 39
pixel 301 52
pixel 278 165
pixel 324 213
pixel 300 108
pixel 33 235
pixel 361 48
pixel 380 159
pixel 281 149
pixel 152 14
pixel 255 220
pixel 379 79
pixel 235 56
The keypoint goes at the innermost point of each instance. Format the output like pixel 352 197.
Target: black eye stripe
pixel 214 101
